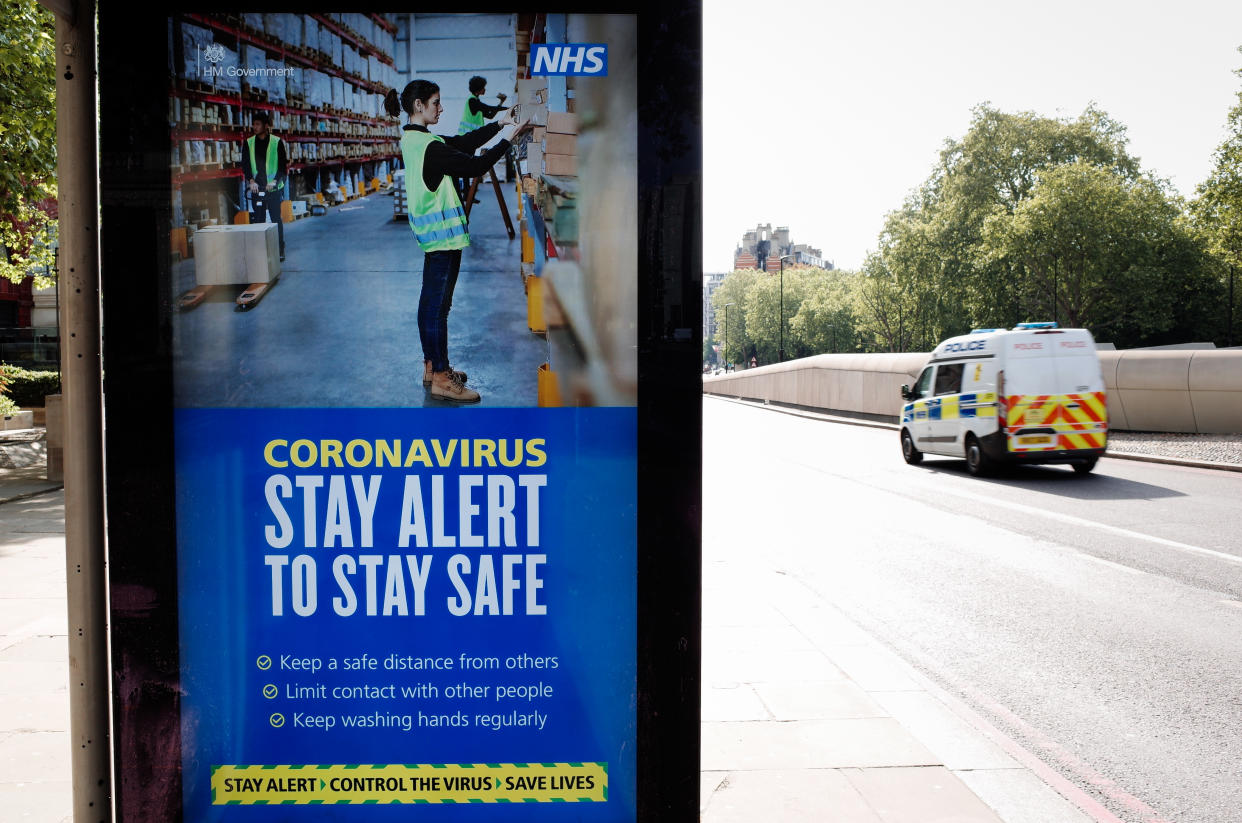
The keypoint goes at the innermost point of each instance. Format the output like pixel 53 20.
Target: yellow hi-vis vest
pixel 470 120
pixel 273 159
pixel 437 217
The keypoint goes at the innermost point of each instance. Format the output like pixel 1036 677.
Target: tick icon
pixel 270 691
pixel 264 662
pixel 277 720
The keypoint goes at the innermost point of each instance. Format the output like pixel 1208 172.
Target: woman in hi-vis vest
pixel 438 219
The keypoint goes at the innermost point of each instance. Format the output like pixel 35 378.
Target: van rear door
pixel 1055 391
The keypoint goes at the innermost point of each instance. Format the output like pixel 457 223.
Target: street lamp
pixel 780 358
pixel 726 348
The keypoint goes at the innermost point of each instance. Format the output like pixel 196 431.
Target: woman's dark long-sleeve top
pixel 455 156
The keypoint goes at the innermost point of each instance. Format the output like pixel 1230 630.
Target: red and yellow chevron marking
pixel 1080 421
pixel 1082 441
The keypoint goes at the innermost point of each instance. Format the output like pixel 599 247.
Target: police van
pixel 1031 394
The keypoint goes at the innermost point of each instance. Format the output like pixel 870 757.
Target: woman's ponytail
pixel 392 103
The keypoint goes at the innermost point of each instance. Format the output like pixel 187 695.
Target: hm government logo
pixel 216 53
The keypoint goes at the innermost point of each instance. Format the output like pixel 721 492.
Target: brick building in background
pixel 762 248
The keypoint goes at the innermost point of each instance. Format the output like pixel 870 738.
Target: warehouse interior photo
pixel 306 293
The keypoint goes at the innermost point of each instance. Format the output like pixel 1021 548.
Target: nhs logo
pixel 569 58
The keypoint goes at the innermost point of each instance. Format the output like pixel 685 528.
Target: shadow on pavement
pixel 1061 480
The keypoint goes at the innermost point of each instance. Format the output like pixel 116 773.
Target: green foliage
pixel 28 388
pixel 26 249
pixel 1035 218
pixel 1217 211
pixel 7 406
pixel 1218 208
pixel 1091 248
pixel 733 319
pixel 27 135
pixel 820 312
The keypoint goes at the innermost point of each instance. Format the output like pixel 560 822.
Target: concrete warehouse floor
pixel 339 328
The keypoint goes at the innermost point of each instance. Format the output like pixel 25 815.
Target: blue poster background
pixel 587 528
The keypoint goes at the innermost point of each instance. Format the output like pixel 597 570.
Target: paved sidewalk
pixel 807 718
pixel 34 651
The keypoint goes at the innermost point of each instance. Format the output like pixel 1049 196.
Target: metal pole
pixel 78 199
pixel 726 348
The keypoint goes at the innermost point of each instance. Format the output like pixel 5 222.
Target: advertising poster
pixel 401 585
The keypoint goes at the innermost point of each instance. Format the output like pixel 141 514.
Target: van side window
pixel 923 387
pixel 949 379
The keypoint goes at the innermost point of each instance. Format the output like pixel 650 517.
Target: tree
pixel 972 248
pixel 884 307
pixel 821 313
pixel 733 290
pixel 27 137
pixel 825 321
pixel 1099 250
pixel 1217 213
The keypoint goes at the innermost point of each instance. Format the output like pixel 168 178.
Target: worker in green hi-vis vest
pixel 438 219
pixel 476 111
pixel 265 165
pixel 473 115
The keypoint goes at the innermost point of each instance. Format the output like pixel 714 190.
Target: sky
pixel 823 117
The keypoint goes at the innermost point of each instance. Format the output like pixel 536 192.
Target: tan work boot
pixel 446 386
pixel 461 375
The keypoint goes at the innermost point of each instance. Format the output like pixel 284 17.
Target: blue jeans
pixel 440 270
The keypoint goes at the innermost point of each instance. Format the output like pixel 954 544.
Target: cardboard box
pixel 562 164
pixel 563 122
pixel 534 158
pixel 245 254
pixel 560 143
pixel 536 113
pixel 533 90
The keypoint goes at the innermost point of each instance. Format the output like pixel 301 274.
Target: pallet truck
pixel 254 292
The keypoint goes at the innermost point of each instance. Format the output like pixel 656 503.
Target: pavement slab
pixel 811 744
pixel 45 802
pixel 818 701
pixel 924 795
pixel 732 702
pixel 810 794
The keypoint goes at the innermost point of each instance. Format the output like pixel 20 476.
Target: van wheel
pixel 912 455
pixel 977 462
pixel 1084 466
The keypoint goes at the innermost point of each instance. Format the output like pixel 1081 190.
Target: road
pixel 1096 619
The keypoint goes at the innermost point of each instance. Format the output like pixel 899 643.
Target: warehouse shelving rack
pixel 377 142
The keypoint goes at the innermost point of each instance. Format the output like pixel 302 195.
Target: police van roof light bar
pixel 984 331
pixel 1049 324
